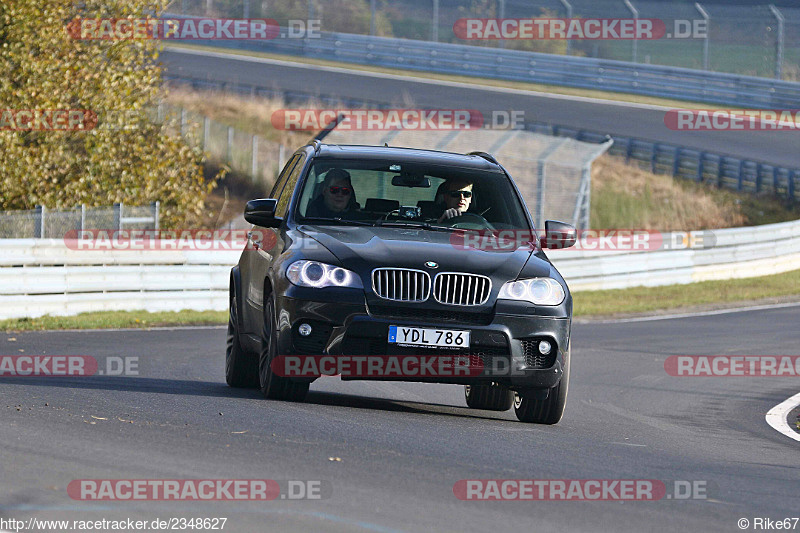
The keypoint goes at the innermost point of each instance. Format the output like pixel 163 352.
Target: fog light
pixel 544 347
pixel 305 330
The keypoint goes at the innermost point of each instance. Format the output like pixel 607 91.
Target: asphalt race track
pixel 401 447
pixel 645 122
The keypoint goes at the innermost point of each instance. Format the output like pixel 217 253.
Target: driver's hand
pixel 450 213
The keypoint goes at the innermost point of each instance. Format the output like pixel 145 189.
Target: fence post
pixel 635 13
pixel 501 14
pixel 38 230
pixel 209 7
pixel 706 41
pixel 254 160
pixel 792 177
pixel 779 44
pixel 206 132
pixel 700 167
pixel 183 122
pixel 435 28
pixel 118 215
pixel 281 157
pixel 246 9
pixel 372 9
pixel 229 147
pixel 155 208
pixel 83 217
pixel 676 165
pixel 568 7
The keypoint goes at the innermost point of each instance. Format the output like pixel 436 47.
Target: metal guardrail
pixel 44 276
pixel 726 171
pixel 534 67
pixel 736 253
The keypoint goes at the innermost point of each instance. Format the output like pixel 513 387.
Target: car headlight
pixel 539 291
pixel 318 275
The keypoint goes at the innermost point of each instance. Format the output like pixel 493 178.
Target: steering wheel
pixel 467 221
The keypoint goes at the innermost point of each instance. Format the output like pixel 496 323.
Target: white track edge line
pixel 776 417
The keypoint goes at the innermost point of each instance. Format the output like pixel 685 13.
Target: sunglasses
pixel 459 194
pixel 341 190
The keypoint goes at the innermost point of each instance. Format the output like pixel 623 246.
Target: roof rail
pixel 489 157
pixel 317 144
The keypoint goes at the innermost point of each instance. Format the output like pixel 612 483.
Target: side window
pixel 276 189
pixel 288 189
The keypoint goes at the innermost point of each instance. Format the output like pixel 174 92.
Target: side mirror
pixel 558 235
pixel 262 213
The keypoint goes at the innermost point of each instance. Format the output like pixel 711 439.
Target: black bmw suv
pixel 367 251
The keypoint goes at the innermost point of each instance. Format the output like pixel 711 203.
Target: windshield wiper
pixel 418 225
pixel 344 221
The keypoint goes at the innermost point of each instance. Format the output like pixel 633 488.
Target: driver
pixel 456 195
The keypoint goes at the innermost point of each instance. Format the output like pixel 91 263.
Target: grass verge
pixel 117 319
pixel 706 294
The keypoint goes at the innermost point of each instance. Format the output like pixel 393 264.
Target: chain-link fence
pixel 243 152
pixel 44 223
pixel 552 173
pixel 760 40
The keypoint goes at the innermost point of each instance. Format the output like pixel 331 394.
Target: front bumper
pixel 504 343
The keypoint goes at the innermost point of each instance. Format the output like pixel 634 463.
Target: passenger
pixel 338 197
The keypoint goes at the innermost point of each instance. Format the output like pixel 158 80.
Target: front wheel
pixel 240 367
pixel 489 397
pixel 274 386
pixel 530 408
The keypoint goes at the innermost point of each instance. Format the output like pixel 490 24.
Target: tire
pixel 272 385
pixel 241 369
pixel 488 397
pixel 548 411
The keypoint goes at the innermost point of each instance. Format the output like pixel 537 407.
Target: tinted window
pixel 288 189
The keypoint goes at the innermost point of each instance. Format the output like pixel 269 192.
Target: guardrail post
pixel 740 181
pixel 758 177
pixel 792 177
pixel 435 28
pixel 720 171
pixel 209 7
pixel 568 7
pixel 83 217
pixel 706 41
pixel 779 44
pixel 635 13
pixel 653 158
pixel 701 160
pixel 676 165
pixel 118 215
pixel 155 207
pixel 246 9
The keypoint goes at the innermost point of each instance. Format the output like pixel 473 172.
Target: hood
pixel 362 249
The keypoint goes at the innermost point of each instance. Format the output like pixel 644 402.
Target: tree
pixel 125 156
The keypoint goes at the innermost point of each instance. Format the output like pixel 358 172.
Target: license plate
pixel 435 338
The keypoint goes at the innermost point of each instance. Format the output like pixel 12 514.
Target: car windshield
pixel 391 193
